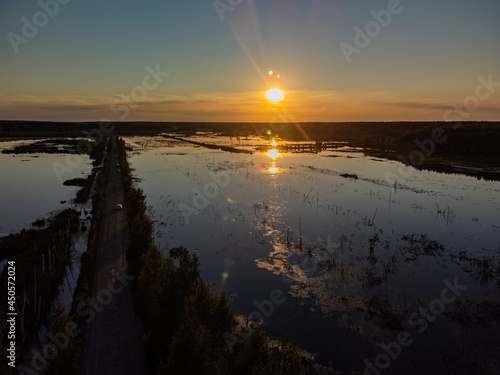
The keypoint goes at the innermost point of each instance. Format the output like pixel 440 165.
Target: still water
pixel 358 259
pixel 355 256
pixel 30 187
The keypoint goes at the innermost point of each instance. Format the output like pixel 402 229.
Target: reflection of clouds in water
pixel 310 278
pixel 311 272
pixel 334 286
pixel 255 223
pixel 327 273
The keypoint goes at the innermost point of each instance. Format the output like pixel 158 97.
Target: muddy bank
pixel 211 146
pixel 47 146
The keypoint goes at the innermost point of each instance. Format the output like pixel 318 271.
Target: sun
pixel 275 95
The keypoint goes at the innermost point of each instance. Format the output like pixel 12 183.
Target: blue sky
pixel 93 53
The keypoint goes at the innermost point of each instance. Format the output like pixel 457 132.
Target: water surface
pixel 354 255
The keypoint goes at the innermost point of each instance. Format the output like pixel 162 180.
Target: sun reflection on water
pixel 273 154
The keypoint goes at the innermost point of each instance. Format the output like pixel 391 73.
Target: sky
pixel 205 60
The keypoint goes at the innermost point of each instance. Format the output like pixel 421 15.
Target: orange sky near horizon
pixel 185 61
pixel 297 106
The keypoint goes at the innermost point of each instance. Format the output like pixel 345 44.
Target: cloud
pixel 238 106
pixel 218 106
pixel 443 106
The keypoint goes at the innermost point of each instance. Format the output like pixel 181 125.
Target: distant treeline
pixel 463 138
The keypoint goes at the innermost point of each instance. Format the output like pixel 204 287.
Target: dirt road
pixel 112 337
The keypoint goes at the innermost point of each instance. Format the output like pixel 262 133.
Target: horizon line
pixel 252 122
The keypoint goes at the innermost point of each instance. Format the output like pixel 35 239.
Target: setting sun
pixel 275 95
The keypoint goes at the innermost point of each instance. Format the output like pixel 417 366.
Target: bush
pixel 185 320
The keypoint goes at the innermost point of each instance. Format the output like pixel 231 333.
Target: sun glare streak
pixel 249 55
pixel 274 144
pixel 273 169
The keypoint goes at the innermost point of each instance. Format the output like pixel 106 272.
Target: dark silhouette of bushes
pixel 75 182
pixel 82 195
pixel 40 258
pixel 69 359
pixel 185 320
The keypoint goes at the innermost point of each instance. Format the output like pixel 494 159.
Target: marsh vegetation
pixel 356 255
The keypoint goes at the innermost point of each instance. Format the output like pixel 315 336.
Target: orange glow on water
pixel 273 154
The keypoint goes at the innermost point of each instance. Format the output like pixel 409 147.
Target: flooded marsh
pixel 359 259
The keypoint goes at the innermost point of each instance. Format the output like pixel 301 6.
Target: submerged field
pixel 41 183
pixel 359 257
pixel 345 253
pixel 32 183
